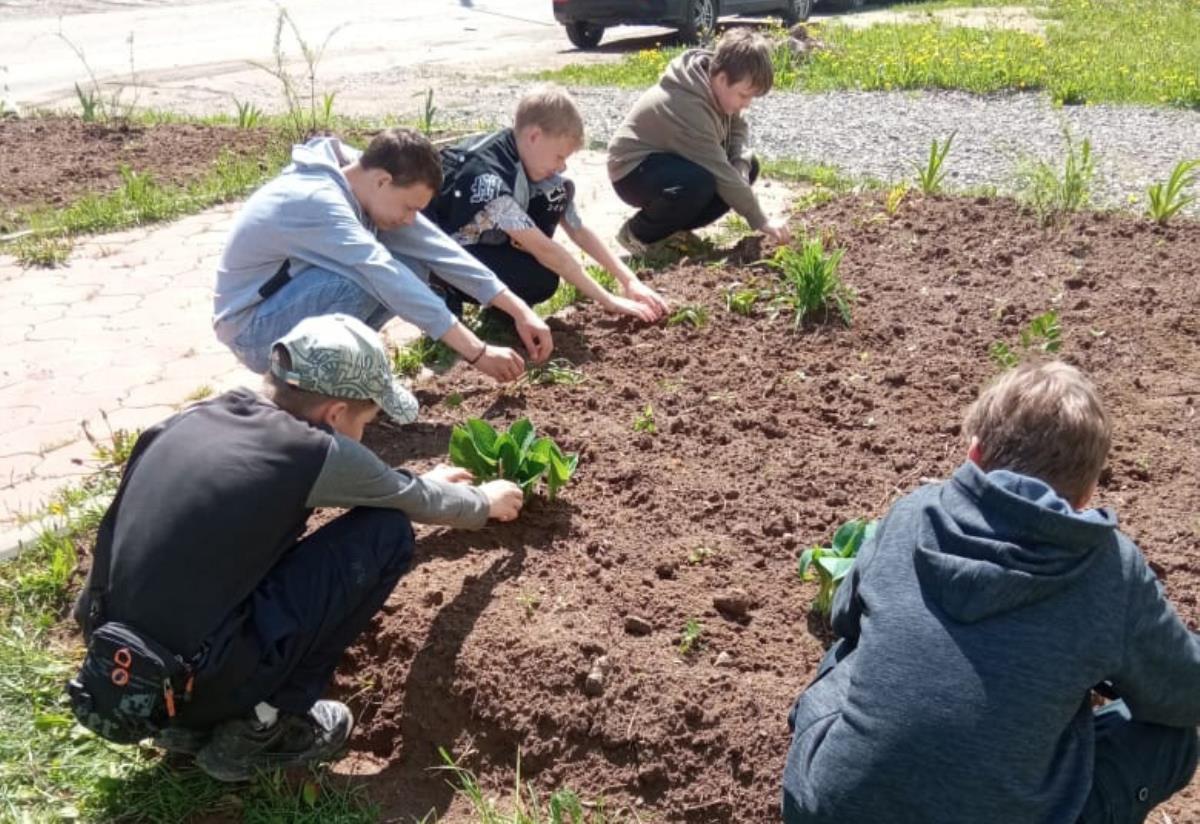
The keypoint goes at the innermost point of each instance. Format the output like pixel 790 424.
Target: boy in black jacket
pixel 202 545
pixel 503 196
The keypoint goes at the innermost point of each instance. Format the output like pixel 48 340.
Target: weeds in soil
pixel 1043 335
pixel 692 637
pixel 424 351
pixel 931 175
pixel 1092 52
pixel 558 371
pixel 894 199
pixel 300 94
pixel 644 420
pixel 249 116
pixel 1165 199
pixel 832 563
pixel 93 103
pixel 562 806
pixel 529 602
pixel 1049 193
pixel 516 455
pixel 6 108
pixel 700 554
pixel 427 113
pixel 809 282
pixel 743 299
pixel 692 314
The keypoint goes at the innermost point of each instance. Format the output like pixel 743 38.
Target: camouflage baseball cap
pixel 340 356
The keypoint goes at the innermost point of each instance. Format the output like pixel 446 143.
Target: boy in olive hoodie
pixel 681 156
pixel 974 627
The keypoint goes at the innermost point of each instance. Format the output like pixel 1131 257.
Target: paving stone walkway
pixel 121 337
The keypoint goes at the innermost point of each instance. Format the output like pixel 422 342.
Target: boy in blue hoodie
pixel 341 231
pixel 975 626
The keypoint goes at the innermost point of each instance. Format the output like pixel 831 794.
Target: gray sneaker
pixel 241 747
pixel 629 241
pixel 181 740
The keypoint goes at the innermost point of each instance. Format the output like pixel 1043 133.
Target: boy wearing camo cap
pixel 203 550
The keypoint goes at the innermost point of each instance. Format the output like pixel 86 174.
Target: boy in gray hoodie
pixel 341 231
pixel 975 627
pixel 681 157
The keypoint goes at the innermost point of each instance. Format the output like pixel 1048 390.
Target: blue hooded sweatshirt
pixel 308 215
pixel 978 618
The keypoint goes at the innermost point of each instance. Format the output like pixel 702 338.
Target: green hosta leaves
pixel 517 455
pixel 833 563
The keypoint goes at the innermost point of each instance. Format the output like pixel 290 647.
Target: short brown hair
pixel 406 155
pixel 744 54
pixel 551 109
pixel 300 402
pixel 1044 420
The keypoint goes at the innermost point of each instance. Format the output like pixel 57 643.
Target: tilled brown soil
pixel 765 441
pixel 55 160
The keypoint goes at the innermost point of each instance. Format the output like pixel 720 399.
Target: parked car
pixel 585 20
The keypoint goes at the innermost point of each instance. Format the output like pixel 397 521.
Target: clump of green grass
pixel 1049 192
pixel 931 175
pixel 424 351
pixel 1166 198
pixel 809 281
pixel 249 116
pixel 44 250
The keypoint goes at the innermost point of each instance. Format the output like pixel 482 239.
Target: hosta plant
pixel 832 563
pixel 516 455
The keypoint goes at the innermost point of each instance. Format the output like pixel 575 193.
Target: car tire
pixel 700 22
pixel 796 11
pixel 584 35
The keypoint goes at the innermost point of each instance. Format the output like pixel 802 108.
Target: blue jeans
pixel 284 642
pixel 313 292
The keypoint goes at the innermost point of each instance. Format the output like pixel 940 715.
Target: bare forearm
pixel 598 250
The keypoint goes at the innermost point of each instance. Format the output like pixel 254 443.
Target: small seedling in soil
pixel 420 353
pixel 644 422
pixel 1167 198
pixel 742 300
pixel 832 563
pixel 427 115
pixel 690 640
pixel 700 554
pixel 248 115
pixel 453 401
pixel 557 371
pixel 931 175
pixel 810 282
pixel 895 198
pixel 1042 335
pixel 693 315
pixel 515 455
pixel 530 602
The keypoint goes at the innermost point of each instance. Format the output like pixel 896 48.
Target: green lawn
pixel 1094 51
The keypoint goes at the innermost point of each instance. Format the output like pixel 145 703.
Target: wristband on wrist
pixel 475 359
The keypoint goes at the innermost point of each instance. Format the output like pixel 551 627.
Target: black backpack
pixel 128 684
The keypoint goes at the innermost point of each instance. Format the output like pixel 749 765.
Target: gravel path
pixel 882 134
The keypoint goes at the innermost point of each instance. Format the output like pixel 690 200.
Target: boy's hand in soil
pixel 778 231
pixel 635 290
pixel 535 334
pixel 500 363
pixel 449 474
pixel 625 306
pixel 504 499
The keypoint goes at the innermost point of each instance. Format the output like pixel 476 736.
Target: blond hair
pixel 744 54
pixel 1044 420
pixel 552 110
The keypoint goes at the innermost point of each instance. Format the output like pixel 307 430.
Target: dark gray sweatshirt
pixel 981 614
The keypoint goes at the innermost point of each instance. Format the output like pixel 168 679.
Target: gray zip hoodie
pixel 680 116
pixel 980 616
pixel 309 216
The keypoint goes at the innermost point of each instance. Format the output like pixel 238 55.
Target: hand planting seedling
pixel 810 282
pixel 515 455
pixel 693 315
pixel 832 563
pixel 690 640
pixel 644 422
